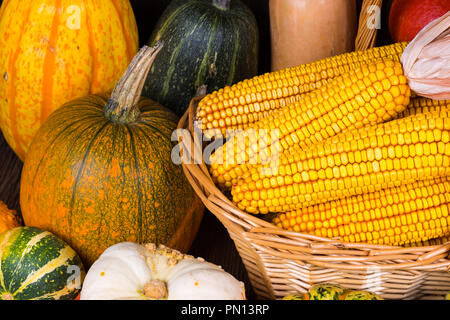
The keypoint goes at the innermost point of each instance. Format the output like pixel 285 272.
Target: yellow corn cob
pixel 371 94
pixel 250 100
pixel 400 215
pixel 355 162
pixel 429 242
pixel 422 105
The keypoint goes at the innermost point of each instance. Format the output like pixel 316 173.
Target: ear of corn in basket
pixel 355 162
pixel 423 105
pixel 368 95
pixel 248 101
pixel 408 214
pixel 429 242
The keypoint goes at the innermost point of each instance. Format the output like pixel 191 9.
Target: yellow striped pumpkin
pixel 53 51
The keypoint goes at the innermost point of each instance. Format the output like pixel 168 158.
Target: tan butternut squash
pixel 304 31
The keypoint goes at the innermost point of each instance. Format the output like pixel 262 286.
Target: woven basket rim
pixel 272 240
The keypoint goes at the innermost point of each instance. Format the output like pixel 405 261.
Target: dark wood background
pixel 213 242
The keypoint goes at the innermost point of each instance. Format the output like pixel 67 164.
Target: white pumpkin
pixel 129 271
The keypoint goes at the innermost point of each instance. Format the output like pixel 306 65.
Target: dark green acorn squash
pixel 207 42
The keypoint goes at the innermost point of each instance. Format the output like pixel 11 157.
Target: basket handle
pixel 367 30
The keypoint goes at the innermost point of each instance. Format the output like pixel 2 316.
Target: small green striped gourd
pixel 294 296
pixel 206 42
pixel 359 295
pixel 37 265
pixel 324 291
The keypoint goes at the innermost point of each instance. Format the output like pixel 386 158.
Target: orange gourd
pixel 53 51
pixel 100 172
pixel 9 219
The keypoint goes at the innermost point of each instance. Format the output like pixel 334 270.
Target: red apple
pixel 408 17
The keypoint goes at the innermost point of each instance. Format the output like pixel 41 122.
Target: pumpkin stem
pixel 122 106
pixel 156 289
pixel 222 4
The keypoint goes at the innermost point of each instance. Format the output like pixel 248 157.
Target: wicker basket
pixel 281 262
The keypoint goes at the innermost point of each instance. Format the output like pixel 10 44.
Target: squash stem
pixel 156 290
pixel 222 4
pixel 122 106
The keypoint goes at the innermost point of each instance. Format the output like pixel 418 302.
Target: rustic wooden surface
pixel 10 169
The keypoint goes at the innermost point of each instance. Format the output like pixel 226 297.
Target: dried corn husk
pixel 426 60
